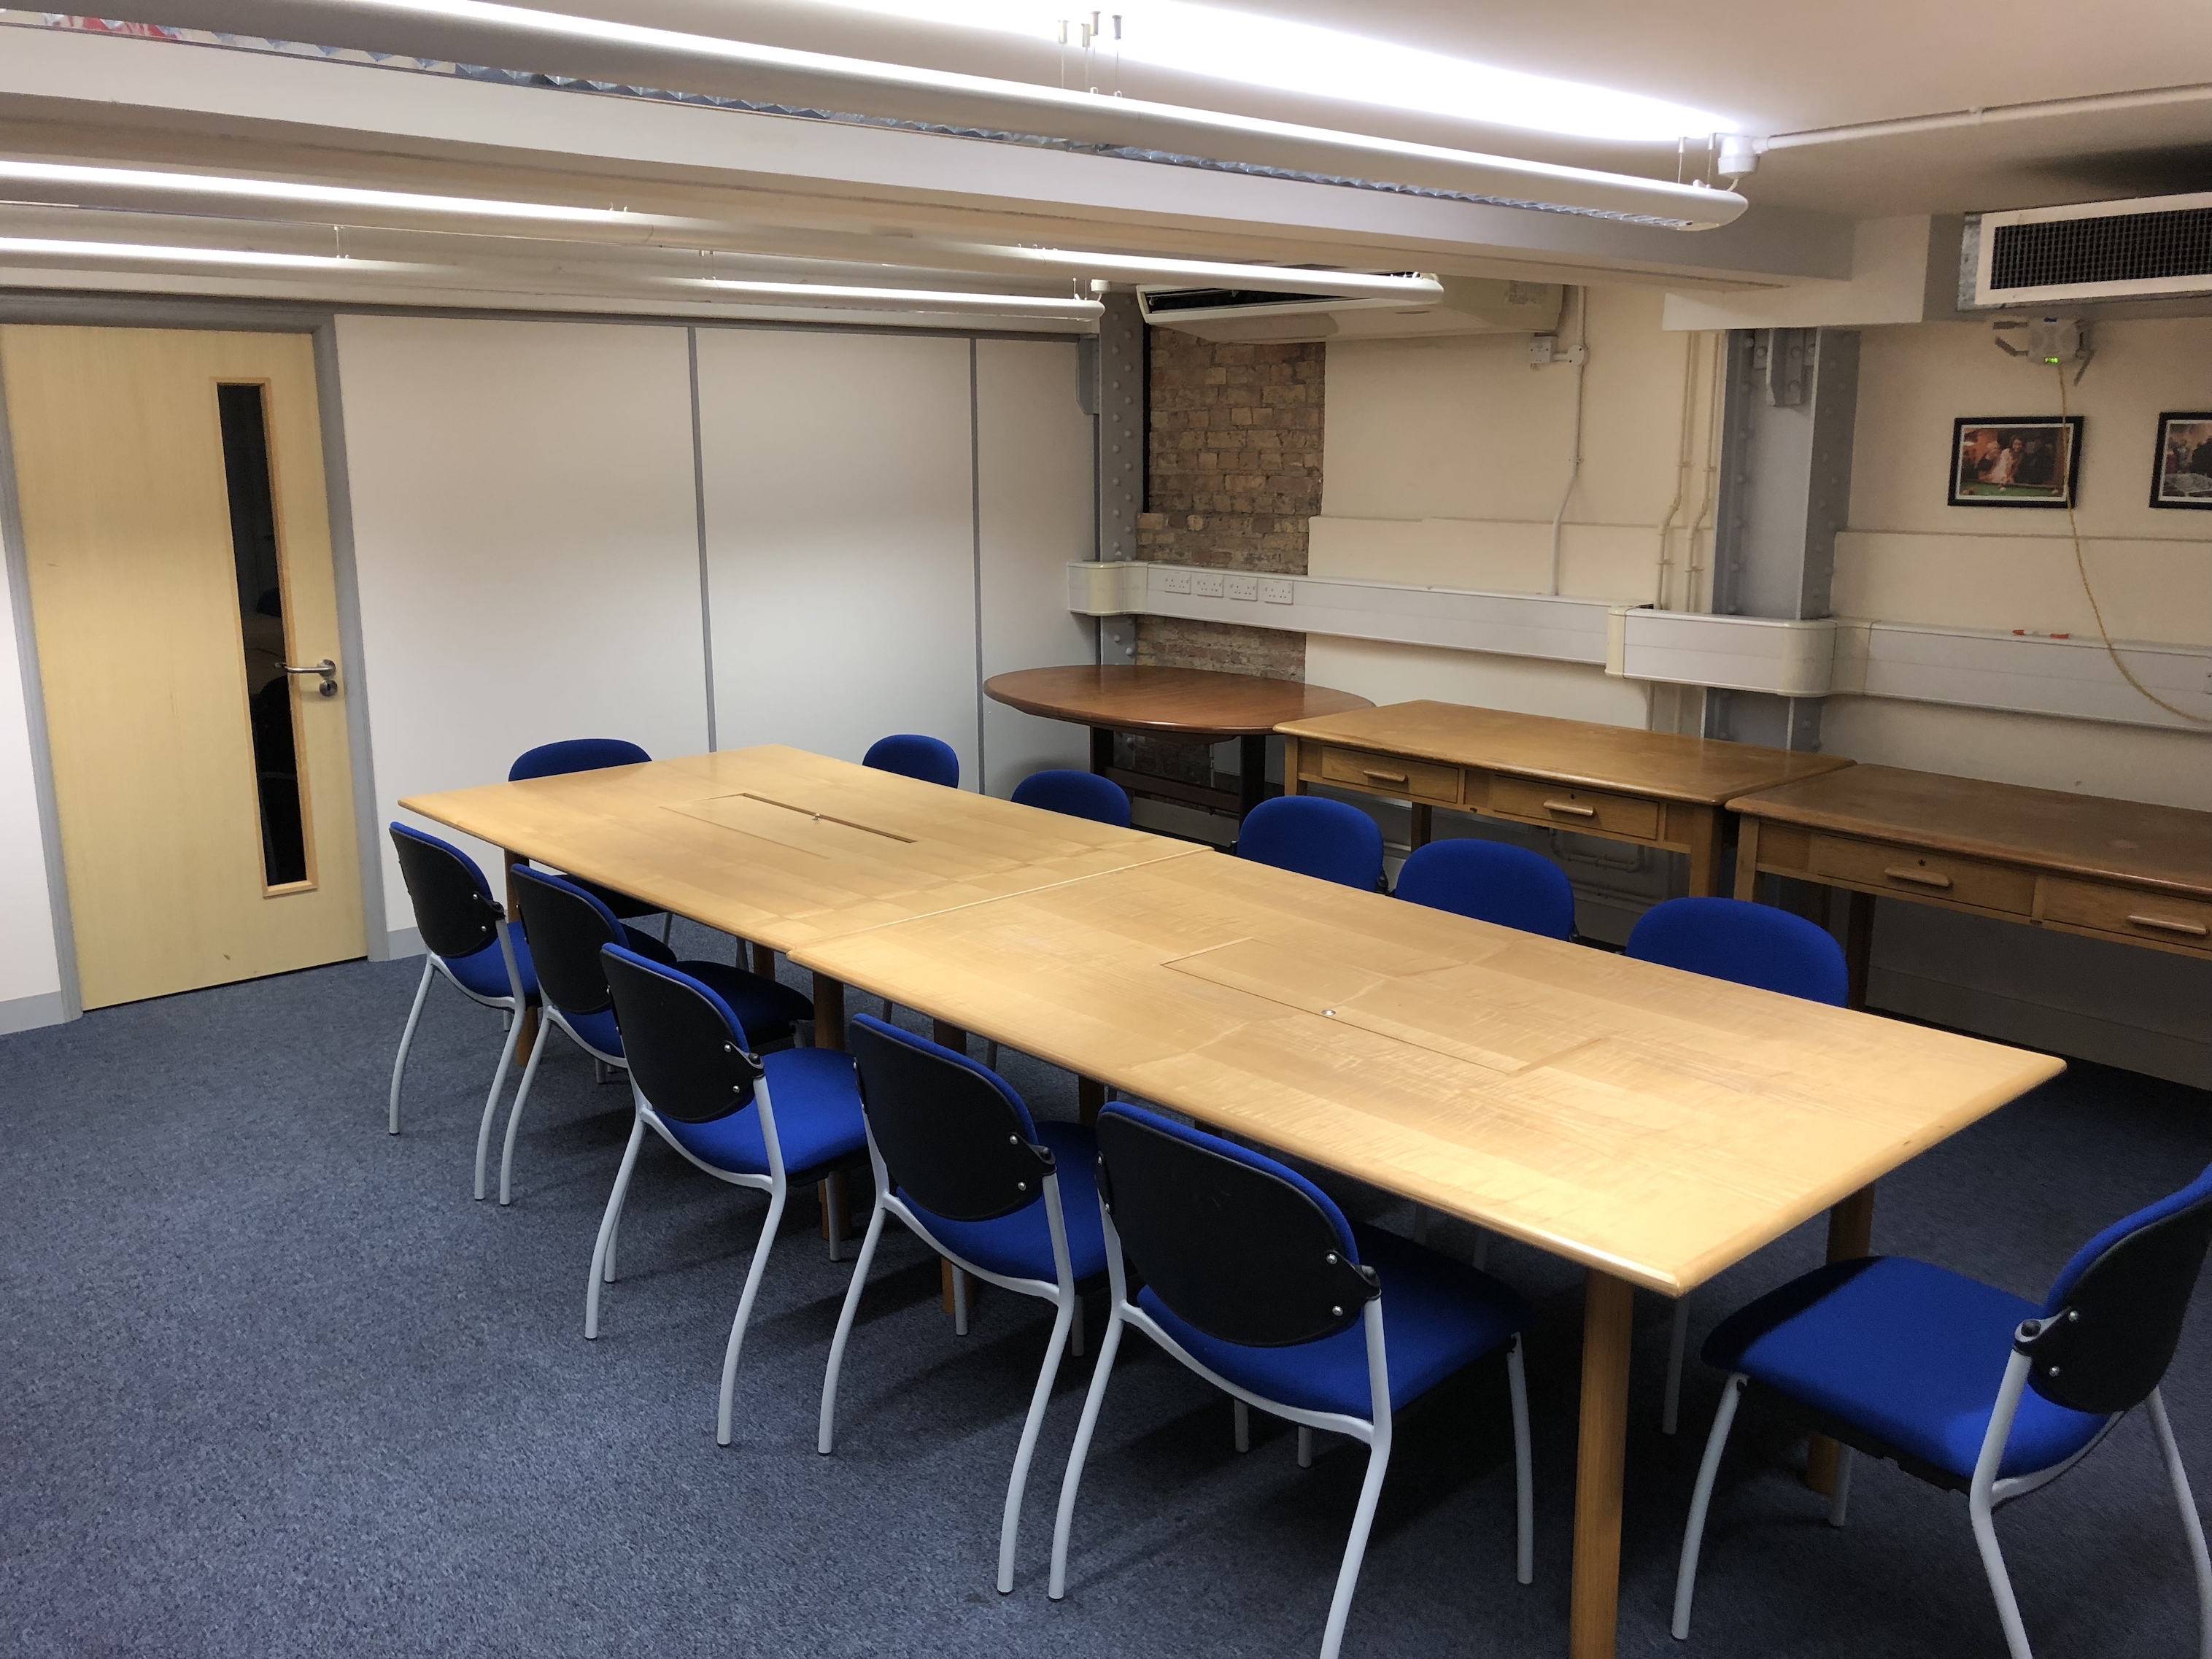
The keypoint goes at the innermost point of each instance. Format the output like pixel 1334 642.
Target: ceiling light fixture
pixel 1283 279
pixel 53 248
pixel 900 299
pixel 1286 56
pixel 74 177
pixel 1210 136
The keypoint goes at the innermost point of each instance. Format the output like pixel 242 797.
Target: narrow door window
pixel 261 610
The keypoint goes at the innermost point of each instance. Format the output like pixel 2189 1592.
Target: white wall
pixel 30 972
pixel 1035 515
pixel 841 538
pixel 526 538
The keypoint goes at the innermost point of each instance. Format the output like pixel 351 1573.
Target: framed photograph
pixel 2026 460
pixel 2183 477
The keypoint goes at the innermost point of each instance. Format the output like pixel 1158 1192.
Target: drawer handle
pixel 2193 928
pixel 1384 777
pixel 1571 809
pixel 1924 877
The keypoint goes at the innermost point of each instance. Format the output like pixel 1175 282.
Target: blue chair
pixel 568 925
pixel 471 945
pixel 1490 881
pixel 1078 794
pixel 912 756
pixel 550 760
pixel 1315 836
pixel 764 1121
pixel 1747 944
pixel 1968 1387
pixel 959 1159
pixel 1254 1280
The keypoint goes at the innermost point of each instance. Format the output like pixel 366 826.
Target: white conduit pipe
pixel 1580 356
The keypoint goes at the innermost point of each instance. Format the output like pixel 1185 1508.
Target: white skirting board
pixel 29 1014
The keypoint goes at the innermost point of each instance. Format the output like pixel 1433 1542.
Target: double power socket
pixel 1222 585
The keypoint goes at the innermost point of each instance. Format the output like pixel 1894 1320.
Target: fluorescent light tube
pixel 274 190
pixel 1282 279
pixel 199 256
pixel 900 299
pixel 1507 180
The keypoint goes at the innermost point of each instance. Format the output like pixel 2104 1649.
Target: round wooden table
pixel 1193 705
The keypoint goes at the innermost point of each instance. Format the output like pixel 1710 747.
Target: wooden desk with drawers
pixel 2119 869
pixel 1648 789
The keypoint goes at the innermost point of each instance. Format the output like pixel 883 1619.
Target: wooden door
pixel 205 796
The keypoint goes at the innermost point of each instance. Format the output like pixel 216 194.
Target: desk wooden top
pixel 2130 841
pixel 1704 771
pixel 1651 1123
pixel 1188 701
pixel 783 846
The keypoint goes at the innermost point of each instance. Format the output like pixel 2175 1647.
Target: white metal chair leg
pixel 1524 1500
pixel 1678 1338
pixel 514 1112
pixel 407 1042
pixel 825 1439
pixel 1056 1588
pixel 1009 1525
pixel 1693 1534
pixel 959 1302
pixel 2190 1522
pixel 603 1253
pixel 1980 1502
pixel 1355 1547
pixel 1839 1501
pixel 1243 1425
pixel 491 1100
pixel 753 1275
pixel 1305 1447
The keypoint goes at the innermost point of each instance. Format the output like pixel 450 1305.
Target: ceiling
pixel 825 203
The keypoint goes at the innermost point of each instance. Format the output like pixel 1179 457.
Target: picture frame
pixel 2181 466
pixel 2016 460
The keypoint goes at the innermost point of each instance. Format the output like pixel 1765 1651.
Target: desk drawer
pixel 1920 874
pixel 2130 912
pixel 1587 810
pixel 1390 775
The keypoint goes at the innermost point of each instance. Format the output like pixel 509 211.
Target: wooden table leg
pixel 829 1012
pixel 1859 945
pixel 1089 1097
pixel 1709 879
pixel 1746 860
pixel 1291 784
pixel 1594 1594
pixel 1251 774
pixel 1424 820
pixel 764 960
pixel 946 1034
pixel 526 1038
pixel 1850 1235
pixel 1101 749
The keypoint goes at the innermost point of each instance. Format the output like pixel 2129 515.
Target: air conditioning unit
pixel 1470 304
pixel 2154 247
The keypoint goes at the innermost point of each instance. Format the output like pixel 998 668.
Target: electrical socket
pixel 1277 590
pixel 1244 587
pixel 1542 349
pixel 1175 581
pixel 1207 584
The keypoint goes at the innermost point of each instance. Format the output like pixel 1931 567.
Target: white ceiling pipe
pixel 791 76
pixel 55 248
pixel 1271 279
pixel 900 299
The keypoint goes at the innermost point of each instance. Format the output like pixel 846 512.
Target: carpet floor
pixel 274 1385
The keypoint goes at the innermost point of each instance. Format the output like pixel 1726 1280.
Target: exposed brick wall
pixel 1234 434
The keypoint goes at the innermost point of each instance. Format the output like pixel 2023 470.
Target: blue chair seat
pixel 1437 1315
pixel 765 1008
pixel 1020 1245
pixel 817 1118
pixel 1912 1353
pixel 485 972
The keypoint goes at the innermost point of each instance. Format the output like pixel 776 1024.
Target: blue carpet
pixel 273 1386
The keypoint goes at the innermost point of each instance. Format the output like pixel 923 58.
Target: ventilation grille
pixel 2119 247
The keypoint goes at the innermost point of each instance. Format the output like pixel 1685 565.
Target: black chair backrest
pixel 453 911
pixel 954 1137
pixel 567 928
pixel 685 1048
pixel 2113 1329
pixel 1234 1243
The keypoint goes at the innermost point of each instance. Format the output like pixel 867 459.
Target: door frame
pixel 86 311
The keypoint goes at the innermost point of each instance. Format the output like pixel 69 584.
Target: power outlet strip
pixel 1244 587
pixel 1175 581
pixel 1277 590
pixel 1207 584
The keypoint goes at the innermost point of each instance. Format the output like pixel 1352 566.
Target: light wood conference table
pixel 1654 1126
pixel 1648 789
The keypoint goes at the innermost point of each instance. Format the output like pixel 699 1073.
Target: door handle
pixel 326 668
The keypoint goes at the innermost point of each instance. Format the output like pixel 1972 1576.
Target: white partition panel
pixel 526 535
pixel 1035 513
pixel 841 538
